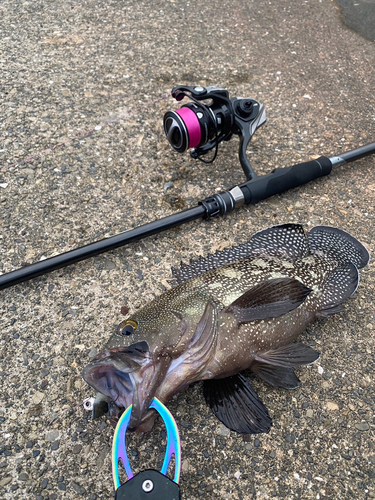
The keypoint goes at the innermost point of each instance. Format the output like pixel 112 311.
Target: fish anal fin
pixel 236 405
pixel 277 376
pixel 328 311
pixel 289 356
pixel 269 299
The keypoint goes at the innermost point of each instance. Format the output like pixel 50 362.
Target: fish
pixel 240 309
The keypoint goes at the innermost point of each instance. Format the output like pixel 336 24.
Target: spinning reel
pixel 200 127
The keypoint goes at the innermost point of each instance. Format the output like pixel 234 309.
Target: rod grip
pixel 282 179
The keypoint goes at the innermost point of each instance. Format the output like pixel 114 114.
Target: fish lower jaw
pixel 147 423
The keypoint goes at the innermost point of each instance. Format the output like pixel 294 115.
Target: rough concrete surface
pixel 67 69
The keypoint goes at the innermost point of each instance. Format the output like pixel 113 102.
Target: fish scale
pixel 238 309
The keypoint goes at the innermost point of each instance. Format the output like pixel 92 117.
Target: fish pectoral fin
pixel 277 376
pixel 288 356
pixel 269 299
pixel 236 405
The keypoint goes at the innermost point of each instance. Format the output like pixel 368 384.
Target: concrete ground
pixel 69 177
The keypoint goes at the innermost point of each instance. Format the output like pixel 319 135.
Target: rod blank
pixel 98 247
pixel 354 154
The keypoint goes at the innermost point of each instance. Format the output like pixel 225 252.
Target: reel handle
pixel 199 93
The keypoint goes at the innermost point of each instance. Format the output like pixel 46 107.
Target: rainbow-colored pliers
pixel 149 484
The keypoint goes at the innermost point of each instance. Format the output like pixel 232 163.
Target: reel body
pixel 201 126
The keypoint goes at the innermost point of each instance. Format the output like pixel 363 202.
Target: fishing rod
pixel 200 127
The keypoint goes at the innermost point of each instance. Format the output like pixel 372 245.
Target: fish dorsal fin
pixel 287 241
pixel 338 245
pixel 204 264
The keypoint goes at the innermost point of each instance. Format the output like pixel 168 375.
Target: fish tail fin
pixel 349 254
pixel 338 287
pixel 338 245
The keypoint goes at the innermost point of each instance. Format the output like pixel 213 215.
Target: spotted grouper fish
pixel 238 309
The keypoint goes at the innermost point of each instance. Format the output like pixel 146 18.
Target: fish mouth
pixel 126 376
pixel 116 385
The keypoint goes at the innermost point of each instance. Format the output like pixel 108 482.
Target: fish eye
pixel 127 328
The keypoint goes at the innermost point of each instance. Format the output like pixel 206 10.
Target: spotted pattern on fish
pixel 240 308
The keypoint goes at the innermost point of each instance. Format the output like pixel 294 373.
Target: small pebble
pixel 5 481
pixel 52 435
pixel 55 445
pixel 77 488
pixel 168 185
pixel 223 431
pixel 124 310
pixel 362 426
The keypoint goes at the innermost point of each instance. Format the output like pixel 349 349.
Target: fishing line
pixel 97 128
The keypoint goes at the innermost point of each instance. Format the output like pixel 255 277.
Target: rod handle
pixel 282 179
